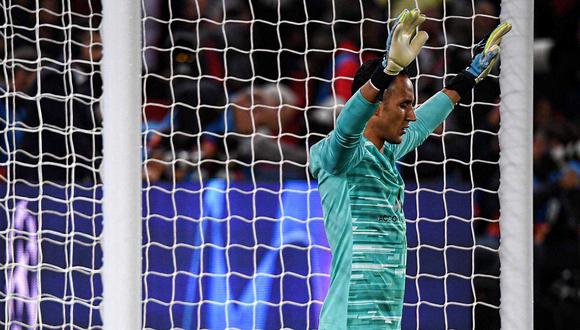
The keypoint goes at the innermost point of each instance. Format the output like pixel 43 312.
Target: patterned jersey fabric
pixel 362 196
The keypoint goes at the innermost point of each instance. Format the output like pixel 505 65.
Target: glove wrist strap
pixel 462 83
pixel 381 80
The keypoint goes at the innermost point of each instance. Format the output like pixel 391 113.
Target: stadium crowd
pixel 556 159
pixel 244 99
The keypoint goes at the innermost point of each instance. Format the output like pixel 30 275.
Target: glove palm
pixel 487 52
pixel 404 43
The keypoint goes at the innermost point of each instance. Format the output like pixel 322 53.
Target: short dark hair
pixel 365 72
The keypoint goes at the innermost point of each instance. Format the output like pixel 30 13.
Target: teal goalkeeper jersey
pixel 362 196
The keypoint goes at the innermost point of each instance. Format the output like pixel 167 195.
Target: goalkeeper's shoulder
pixel 330 154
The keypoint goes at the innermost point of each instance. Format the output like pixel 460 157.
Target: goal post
pixel 515 193
pixel 121 174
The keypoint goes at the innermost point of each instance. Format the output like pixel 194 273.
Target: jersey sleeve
pixel 429 115
pixel 343 147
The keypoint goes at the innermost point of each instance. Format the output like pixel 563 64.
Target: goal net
pixel 50 154
pixel 234 94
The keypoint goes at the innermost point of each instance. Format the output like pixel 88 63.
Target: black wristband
pixel 462 83
pixel 381 80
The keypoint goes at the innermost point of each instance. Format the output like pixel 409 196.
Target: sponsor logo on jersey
pixel 388 218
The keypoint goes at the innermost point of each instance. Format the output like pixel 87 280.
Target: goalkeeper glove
pixel 487 51
pixel 403 46
pixel 486 54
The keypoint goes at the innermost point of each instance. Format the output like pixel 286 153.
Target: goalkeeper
pixel 360 186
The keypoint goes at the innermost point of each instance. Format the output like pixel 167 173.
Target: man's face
pixel 395 111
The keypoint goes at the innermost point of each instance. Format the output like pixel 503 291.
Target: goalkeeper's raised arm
pixel 402 47
pixel 434 111
pixel 486 54
pixel 359 183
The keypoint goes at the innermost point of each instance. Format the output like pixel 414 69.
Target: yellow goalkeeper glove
pixel 404 43
pixel 487 51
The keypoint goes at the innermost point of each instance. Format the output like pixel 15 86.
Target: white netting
pixel 234 94
pixel 50 150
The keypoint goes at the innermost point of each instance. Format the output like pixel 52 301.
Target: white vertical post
pixel 121 34
pixel 515 193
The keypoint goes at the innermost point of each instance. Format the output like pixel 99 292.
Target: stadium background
pixel 556 146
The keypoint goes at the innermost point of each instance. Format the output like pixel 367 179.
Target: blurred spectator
pixel 65 132
pixel 344 63
pixel 556 155
pixel 173 132
pixel 51 31
pixel 557 229
pixel 432 60
pixel 15 103
pixel 152 29
pixel 564 64
pixel 346 53
pixel 270 112
pixel 199 45
pixel 248 139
